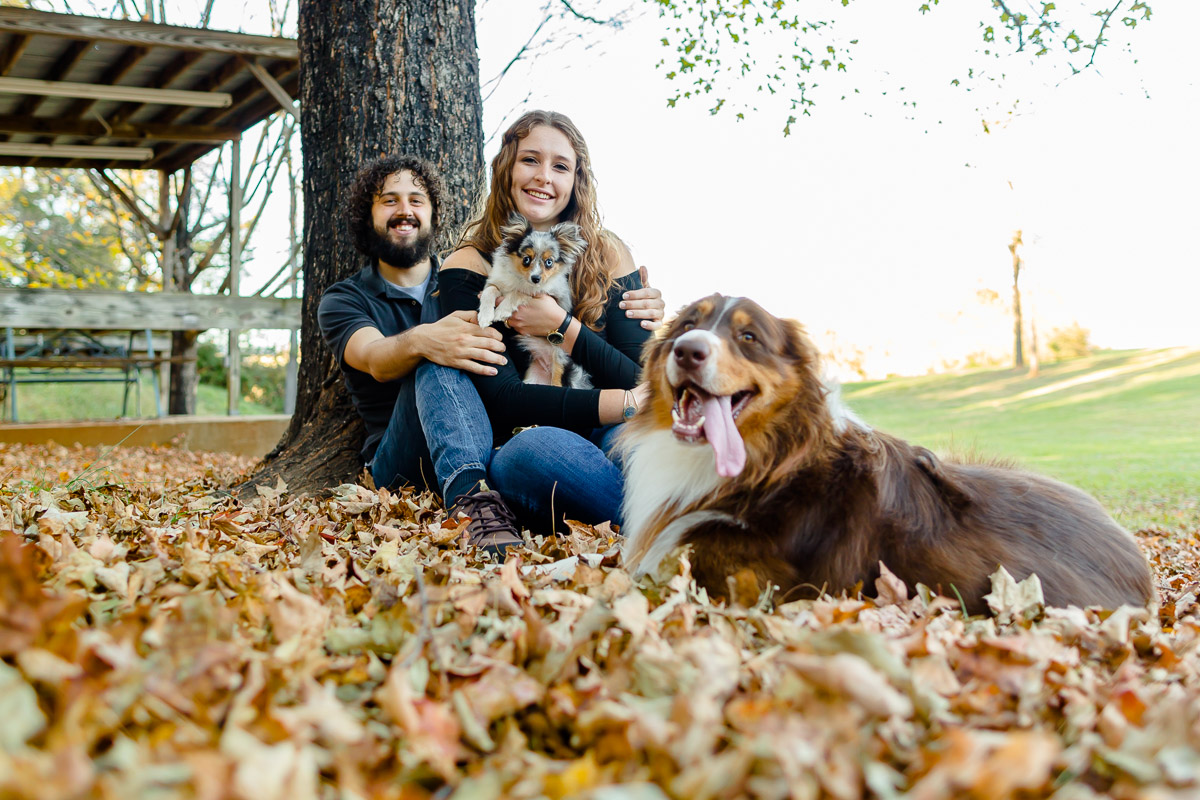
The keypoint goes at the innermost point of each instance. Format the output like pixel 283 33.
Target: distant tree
pixel 1073 341
pixel 1018 324
pixel 59 230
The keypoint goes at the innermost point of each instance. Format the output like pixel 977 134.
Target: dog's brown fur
pixel 823 499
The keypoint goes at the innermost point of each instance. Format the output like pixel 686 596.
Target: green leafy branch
pixel 717 43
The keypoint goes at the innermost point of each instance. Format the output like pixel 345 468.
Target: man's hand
pixel 537 316
pixel 457 341
pixel 645 304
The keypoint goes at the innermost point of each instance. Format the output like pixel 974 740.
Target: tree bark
pixel 378 77
pixel 185 378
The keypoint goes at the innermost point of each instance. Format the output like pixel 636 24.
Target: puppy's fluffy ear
pixel 570 240
pixel 516 229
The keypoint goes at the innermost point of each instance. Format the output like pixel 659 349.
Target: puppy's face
pixel 723 375
pixel 541 256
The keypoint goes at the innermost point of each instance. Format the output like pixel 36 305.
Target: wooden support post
pixel 10 351
pixel 235 269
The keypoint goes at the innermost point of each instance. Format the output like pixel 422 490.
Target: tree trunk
pixel 185 379
pixel 1034 363
pixel 1018 351
pixel 378 77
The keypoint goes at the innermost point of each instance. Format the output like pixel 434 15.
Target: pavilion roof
pixel 150 96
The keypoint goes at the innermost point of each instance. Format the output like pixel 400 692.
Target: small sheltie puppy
pixel 745 453
pixel 527 264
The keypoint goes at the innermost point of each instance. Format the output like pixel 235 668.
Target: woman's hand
pixel 538 316
pixel 645 304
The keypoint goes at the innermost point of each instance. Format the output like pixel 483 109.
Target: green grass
pixel 39 402
pixel 1123 425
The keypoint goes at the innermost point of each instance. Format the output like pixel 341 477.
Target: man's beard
pixel 401 256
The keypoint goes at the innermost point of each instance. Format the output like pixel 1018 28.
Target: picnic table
pixel 72 355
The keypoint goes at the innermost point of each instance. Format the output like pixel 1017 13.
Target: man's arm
pixel 453 341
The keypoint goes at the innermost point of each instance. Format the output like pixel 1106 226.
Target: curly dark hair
pixel 370 180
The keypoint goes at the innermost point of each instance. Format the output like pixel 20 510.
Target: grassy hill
pixel 1124 425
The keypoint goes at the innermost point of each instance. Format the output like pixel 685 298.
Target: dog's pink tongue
pixel 722 433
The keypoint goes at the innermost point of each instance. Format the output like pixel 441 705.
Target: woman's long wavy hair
pixel 591 278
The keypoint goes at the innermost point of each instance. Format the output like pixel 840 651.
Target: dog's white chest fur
pixel 663 473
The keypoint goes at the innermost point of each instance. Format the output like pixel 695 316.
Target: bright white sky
pixel 880 223
pixel 873 222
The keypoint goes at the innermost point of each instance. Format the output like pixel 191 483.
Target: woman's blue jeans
pixel 546 474
pixel 439 426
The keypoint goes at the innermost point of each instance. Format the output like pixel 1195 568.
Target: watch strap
pixel 559 336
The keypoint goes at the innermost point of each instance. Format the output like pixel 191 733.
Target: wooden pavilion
pixel 82 92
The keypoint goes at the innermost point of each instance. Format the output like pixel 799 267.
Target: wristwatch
pixel 557 337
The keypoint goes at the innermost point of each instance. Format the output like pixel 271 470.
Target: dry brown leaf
pixel 159 637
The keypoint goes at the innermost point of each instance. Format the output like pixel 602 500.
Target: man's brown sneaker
pixel 492 526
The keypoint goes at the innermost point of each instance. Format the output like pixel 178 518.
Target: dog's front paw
pixel 487 315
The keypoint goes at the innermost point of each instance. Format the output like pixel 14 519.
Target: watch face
pixel 554 337
pixel 629 412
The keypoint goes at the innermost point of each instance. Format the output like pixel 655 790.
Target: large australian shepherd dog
pixel 743 453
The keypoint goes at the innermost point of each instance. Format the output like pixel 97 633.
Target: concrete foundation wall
pixel 250 436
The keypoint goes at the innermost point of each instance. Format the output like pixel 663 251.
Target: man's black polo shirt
pixel 367 300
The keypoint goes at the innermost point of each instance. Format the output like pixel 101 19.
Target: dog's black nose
pixel 691 353
pixel 535 278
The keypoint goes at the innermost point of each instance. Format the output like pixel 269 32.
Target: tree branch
pixel 578 15
pixel 1100 34
pixel 290 260
pixel 213 248
pixel 183 190
pixel 285 142
pixel 1017 22
pixel 496 80
pixel 127 201
pixel 212 181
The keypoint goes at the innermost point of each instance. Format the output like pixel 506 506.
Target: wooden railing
pixel 49 311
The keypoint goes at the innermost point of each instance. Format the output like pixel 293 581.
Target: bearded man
pixel 383 327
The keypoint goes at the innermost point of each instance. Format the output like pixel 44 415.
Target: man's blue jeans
pixel 439 425
pixel 438 437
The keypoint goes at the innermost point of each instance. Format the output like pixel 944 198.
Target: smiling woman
pixel 543 172
pixel 543 176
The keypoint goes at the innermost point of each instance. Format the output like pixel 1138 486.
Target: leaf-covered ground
pixel 159 638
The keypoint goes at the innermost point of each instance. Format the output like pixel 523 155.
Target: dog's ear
pixel 797 345
pixel 515 230
pixel 654 345
pixel 570 240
